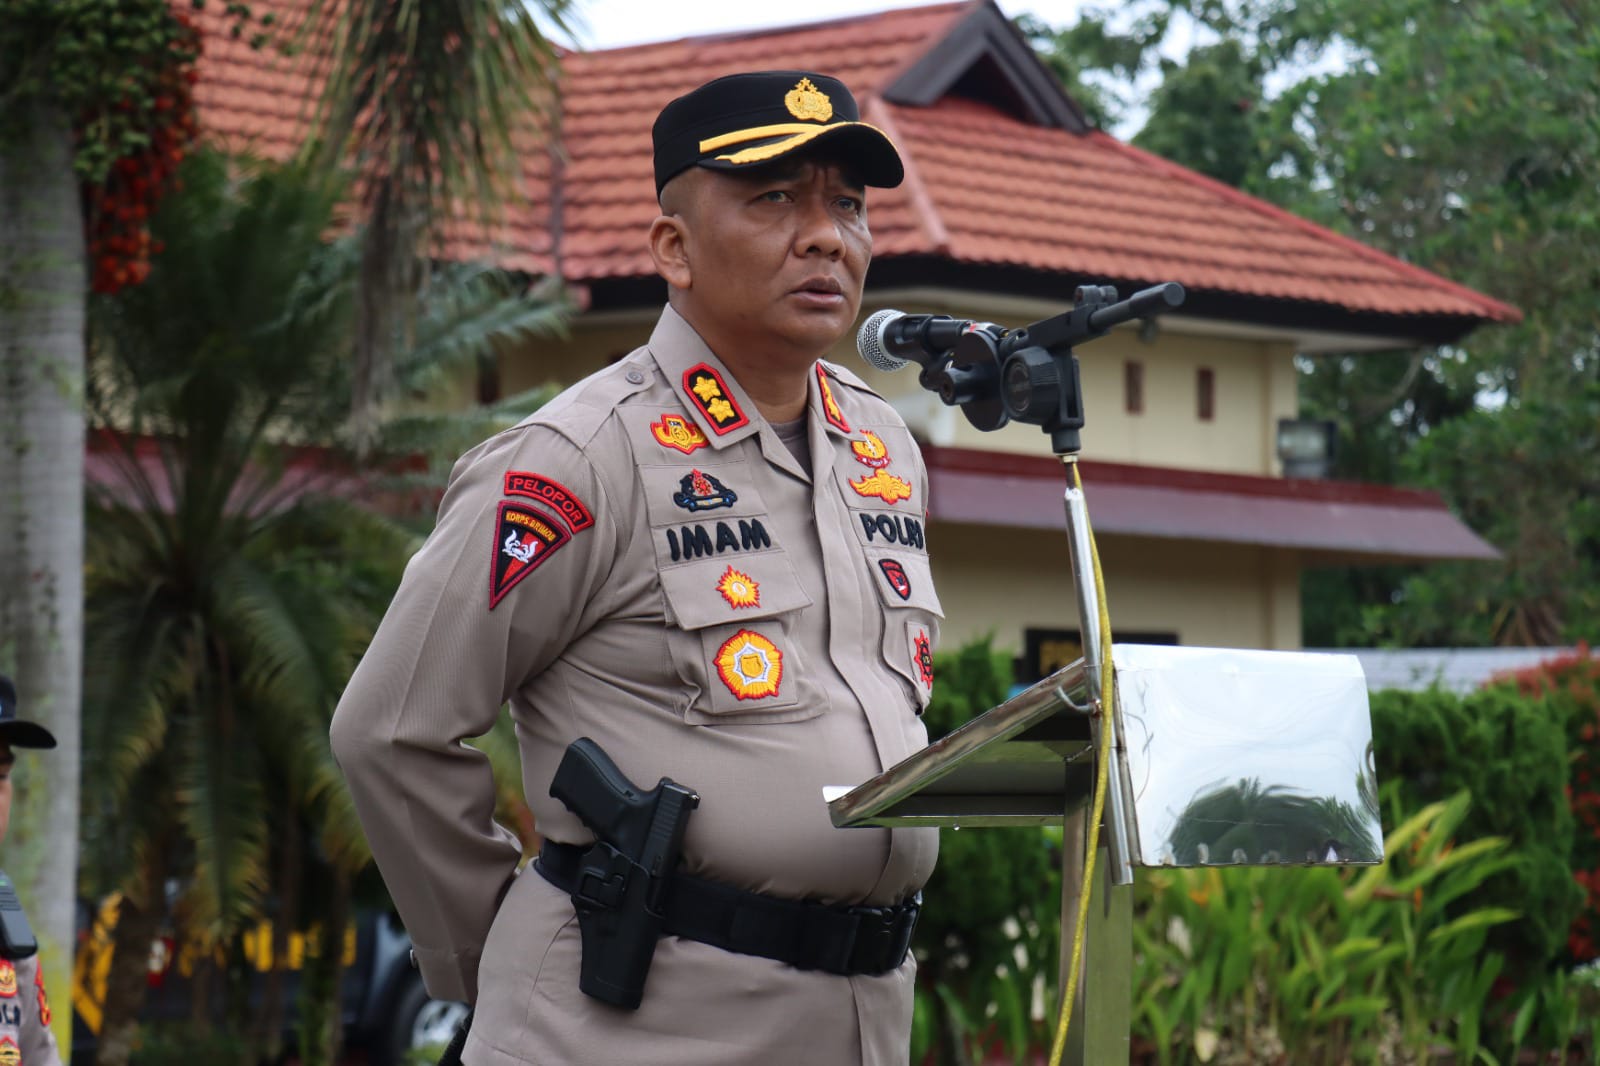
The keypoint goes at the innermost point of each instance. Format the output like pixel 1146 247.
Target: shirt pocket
pixel 911 615
pixel 732 635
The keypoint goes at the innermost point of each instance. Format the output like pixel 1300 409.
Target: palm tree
pixel 429 101
pixel 234 575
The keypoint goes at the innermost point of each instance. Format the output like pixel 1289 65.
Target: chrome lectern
pixel 1218 757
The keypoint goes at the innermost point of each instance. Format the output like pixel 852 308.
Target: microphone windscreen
pixel 869 340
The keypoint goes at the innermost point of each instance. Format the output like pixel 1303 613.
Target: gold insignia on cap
pixel 808 102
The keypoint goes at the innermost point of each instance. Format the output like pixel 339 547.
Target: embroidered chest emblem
pixel 830 407
pixel 884 485
pixel 524 539
pixel 707 391
pixel 702 492
pixel 870 450
pixel 897 577
pixel 8 979
pixel 922 654
pixel 806 101
pixel 739 589
pixel 750 665
pixel 10 1054
pixel 675 431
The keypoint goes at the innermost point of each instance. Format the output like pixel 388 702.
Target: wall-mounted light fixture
pixel 1306 446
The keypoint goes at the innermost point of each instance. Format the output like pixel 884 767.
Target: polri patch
pixel 558 496
pixel 750 665
pixel 897 577
pixel 739 588
pixel 675 431
pixel 702 492
pixel 830 408
pixel 524 538
pixel 922 657
pixel 707 391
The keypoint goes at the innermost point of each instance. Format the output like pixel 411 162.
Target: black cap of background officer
pixel 15 731
pixel 744 120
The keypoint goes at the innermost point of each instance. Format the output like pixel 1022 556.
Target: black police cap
pixel 742 120
pixel 13 730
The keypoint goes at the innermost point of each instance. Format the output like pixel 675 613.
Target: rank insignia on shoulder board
pixel 524 538
pixel 830 406
pixel 675 431
pixel 705 389
pixel 702 492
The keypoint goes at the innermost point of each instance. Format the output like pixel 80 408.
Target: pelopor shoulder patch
pixel 705 388
pixel 562 499
pixel 524 538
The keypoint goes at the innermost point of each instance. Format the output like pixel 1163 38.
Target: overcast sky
pixel 619 22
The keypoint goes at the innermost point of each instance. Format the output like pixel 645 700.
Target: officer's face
pixel 7 760
pixel 772 261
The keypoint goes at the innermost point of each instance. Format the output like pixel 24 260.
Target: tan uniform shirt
pixel 25 1037
pixel 645 563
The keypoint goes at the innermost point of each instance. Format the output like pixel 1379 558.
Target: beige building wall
pixel 1000 582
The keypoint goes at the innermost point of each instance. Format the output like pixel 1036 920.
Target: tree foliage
pixel 1463 138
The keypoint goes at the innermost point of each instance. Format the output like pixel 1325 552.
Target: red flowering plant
pixel 1570 686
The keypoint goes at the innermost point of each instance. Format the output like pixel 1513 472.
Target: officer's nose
pixel 819 232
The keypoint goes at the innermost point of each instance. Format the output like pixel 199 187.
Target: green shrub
pixel 1510 754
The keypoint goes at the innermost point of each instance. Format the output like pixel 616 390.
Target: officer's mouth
pixel 821 292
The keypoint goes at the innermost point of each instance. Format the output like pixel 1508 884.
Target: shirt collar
pixel 719 406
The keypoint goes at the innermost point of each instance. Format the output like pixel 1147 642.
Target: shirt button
pixel 635 377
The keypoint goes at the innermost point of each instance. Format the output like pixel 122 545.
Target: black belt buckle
pixel 883 936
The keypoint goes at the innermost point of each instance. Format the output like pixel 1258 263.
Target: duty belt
pixel 808 936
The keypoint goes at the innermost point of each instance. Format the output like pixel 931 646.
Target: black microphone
pixel 890 339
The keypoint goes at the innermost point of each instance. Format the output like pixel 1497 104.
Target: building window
pixel 1207 389
pixel 1133 386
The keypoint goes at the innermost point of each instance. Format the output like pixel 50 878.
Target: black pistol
pixel 623 879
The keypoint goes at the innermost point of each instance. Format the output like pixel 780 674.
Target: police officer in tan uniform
pixel 25 1037
pixel 709 558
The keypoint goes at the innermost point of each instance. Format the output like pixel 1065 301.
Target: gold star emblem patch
pixel 806 101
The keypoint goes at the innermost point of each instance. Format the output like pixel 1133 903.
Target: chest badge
pixel 8 979
pixel 870 450
pixel 707 391
pixel 739 588
pixel 10 1054
pixel 830 407
pixel 897 577
pixel 675 431
pixel 702 492
pixel 884 485
pixel 922 654
pixel 750 665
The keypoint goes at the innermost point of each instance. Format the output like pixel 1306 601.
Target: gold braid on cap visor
pixel 801 133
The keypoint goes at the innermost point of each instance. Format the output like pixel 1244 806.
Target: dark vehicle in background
pixel 386 1011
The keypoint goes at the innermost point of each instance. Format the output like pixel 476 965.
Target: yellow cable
pixel 1102 778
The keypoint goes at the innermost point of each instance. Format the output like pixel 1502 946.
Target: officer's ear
pixel 669 233
pixel 669 250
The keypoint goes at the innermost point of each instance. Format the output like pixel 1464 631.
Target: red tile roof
pixel 1337 519
pixel 985 187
